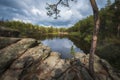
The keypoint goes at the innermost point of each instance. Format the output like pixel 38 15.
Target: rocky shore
pixel 29 59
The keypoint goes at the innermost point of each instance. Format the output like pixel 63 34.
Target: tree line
pixel 27 29
pixel 89 27
pixel 109 25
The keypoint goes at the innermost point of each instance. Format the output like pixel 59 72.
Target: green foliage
pixel 30 30
pixel 88 38
pixel 83 28
pixel 110 21
pixel 109 29
pixel 109 50
pixel 72 51
pixel 108 3
pixel 75 33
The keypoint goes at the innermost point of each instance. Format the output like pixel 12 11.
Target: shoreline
pixel 27 58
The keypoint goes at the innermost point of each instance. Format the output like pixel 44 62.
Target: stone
pixel 55 66
pixel 12 52
pixel 110 70
pixel 82 57
pixel 56 54
pixel 85 74
pixel 21 66
pixel 29 59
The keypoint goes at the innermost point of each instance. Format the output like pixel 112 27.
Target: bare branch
pixel 59 2
pixel 52 9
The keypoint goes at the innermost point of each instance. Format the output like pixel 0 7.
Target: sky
pixel 33 11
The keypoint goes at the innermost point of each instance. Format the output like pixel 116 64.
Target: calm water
pixel 62 45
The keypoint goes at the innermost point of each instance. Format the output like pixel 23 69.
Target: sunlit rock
pixel 28 59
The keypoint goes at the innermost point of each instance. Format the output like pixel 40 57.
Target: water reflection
pixel 61 45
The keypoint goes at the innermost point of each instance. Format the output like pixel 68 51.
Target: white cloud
pixel 67 15
pixel 34 11
pixel 23 20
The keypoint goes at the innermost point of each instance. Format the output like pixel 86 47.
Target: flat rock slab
pixel 12 52
pixel 29 59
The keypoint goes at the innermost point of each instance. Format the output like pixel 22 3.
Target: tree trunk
pixel 95 34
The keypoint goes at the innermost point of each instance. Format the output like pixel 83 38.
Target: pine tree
pixel 108 3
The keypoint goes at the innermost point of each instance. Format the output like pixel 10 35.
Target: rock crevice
pixel 29 59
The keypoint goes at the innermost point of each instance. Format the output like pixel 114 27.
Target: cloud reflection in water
pixel 62 46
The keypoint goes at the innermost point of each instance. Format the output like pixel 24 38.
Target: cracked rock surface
pixel 29 59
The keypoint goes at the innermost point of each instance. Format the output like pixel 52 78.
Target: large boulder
pixel 29 59
pixel 12 52
pixel 26 64
pixel 102 68
pixel 110 70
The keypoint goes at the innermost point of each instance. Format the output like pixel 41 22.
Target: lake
pixel 63 44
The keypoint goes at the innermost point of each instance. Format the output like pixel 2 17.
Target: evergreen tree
pixel 108 3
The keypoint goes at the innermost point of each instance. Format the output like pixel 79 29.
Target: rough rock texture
pixel 28 59
pixel 102 68
pixel 5 41
pixel 12 52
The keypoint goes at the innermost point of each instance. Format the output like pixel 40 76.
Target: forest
pixel 108 37
pixel 87 50
pixel 109 33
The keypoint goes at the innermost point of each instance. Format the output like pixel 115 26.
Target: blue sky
pixel 33 11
